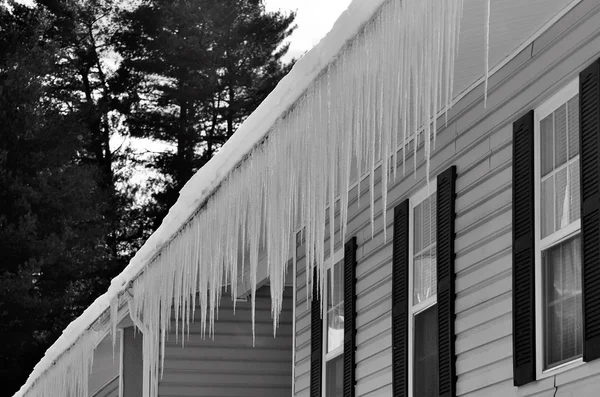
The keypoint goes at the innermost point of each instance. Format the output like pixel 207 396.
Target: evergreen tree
pixel 83 30
pixel 192 71
pixel 52 233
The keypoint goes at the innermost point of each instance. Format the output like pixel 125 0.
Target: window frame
pixel 546 108
pixel 414 201
pixel 338 256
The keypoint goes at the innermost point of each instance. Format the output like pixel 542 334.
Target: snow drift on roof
pixel 345 100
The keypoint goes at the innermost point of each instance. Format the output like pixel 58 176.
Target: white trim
pixel 121 341
pixel 415 200
pixel 103 386
pixel 423 305
pixel 549 106
pixel 576 362
pixel 335 353
pixel 555 101
pixel 294 281
pixel 563 234
pixel 338 256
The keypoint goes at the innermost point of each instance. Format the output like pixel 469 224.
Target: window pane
pixel 425 372
pixel 426 226
pixel 335 307
pixel 560 136
pixel 547 208
pixel 335 327
pixel 418 229
pixel 335 296
pixel 562 206
pixel 547 138
pixel 425 276
pixel 562 302
pixel 424 263
pixel 335 377
pixel 573 125
pixel 574 186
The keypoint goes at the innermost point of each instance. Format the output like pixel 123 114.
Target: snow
pixel 343 100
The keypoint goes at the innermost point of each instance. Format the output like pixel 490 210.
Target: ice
pixel 358 97
pixel 487 51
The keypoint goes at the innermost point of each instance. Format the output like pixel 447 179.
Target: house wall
pixel 105 368
pixel 133 370
pixel 229 366
pixel 110 389
pixel 478 141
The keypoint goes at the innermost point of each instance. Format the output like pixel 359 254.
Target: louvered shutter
pixel 400 301
pixel 446 196
pixel 589 88
pixel 316 341
pixel 523 252
pixel 349 317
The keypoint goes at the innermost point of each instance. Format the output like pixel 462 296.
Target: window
pixel 423 348
pixel 558 225
pixel 333 329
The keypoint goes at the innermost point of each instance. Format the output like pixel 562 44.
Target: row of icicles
pixel 386 85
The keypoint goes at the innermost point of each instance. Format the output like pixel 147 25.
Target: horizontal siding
pixel 106 364
pixel 478 141
pixel 229 364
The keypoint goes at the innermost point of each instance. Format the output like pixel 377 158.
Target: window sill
pixel 560 368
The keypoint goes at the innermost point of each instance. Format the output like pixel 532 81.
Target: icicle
pixel 385 88
pixel 114 313
pixel 487 52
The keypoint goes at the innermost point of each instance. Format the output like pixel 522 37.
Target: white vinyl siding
pixel 478 141
pixel 229 365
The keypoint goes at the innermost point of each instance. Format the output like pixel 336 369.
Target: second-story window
pixel 423 298
pixel 558 261
pixel 333 325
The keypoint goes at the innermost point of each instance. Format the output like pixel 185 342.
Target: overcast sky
pixel 314 19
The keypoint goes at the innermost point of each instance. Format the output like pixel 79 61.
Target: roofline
pixel 197 191
pixel 194 195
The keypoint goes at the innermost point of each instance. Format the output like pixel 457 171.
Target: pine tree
pixel 192 71
pixel 83 30
pixel 52 233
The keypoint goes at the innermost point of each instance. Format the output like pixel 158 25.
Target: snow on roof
pixel 208 179
pixel 406 33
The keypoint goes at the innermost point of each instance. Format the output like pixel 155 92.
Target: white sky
pixel 314 19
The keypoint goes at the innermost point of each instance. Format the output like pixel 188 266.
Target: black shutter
pixel 446 214
pixel 400 301
pixel 316 341
pixel 589 111
pixel 523 253
pixel 349 317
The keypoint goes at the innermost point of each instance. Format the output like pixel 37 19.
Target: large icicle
pixel 387 87
pixel 70 375
pixel 383 93
pixel 487 51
